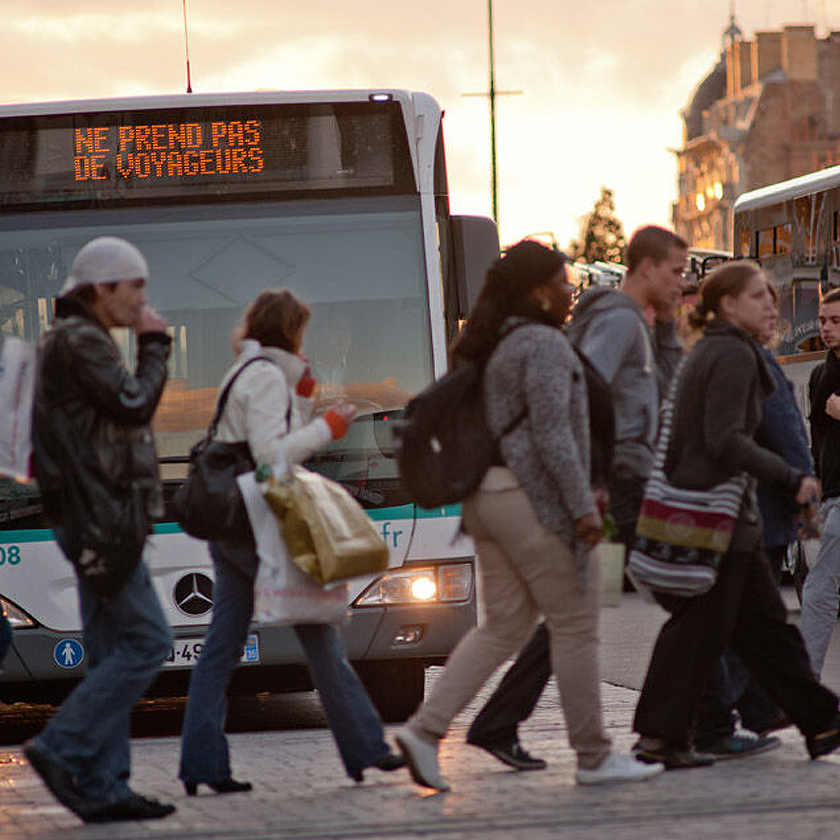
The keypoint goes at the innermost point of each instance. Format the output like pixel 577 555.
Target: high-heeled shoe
pixel 225 786
pixel 389 762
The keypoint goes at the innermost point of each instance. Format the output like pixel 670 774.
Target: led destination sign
pixel 172 154
pixel 174 150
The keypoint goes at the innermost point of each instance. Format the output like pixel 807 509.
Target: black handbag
pixel 208 505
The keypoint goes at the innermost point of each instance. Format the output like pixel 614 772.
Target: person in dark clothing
pixel 611 331
pixel 820 596
pixel 716 415
pixel 97 471
pixel 731 688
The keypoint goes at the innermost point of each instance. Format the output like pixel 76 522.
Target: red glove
pixel 338 425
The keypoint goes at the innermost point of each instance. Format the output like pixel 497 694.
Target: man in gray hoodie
pixel 611 328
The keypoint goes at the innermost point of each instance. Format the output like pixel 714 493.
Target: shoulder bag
pixel 208 505
pixel 682 534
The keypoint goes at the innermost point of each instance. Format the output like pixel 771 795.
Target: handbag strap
pixel 666 417
pixel 737 482
pixel 223 397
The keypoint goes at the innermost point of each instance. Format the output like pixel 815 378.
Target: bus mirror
pixel 475 242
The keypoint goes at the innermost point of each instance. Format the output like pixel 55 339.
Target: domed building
pixel 768 110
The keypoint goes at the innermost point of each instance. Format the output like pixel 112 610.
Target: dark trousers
pixel 516 695
pixel 743 610
pixel 732 687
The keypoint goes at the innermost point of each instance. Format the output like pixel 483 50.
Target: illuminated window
pixel 764 243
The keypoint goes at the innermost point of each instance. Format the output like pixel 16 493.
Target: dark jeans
pixel 125 638
pixel 743 610
pixel 519 691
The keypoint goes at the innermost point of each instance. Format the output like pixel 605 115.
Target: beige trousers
pixel 524 571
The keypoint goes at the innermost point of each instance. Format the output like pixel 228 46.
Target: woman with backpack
pixel 533 519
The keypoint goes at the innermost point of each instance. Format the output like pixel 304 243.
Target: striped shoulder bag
pixel 682 534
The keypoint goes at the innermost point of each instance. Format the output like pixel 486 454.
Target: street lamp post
pixel 492 93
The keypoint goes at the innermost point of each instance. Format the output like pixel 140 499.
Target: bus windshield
pixel 358 262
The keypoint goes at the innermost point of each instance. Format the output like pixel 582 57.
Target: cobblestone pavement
pixel 301 792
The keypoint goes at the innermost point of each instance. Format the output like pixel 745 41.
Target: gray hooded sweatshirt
pixel 610 329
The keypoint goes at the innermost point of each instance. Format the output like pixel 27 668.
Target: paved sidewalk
pixel 301 793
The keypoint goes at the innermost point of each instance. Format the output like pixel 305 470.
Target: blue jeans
pixel 355 723
pixel 820 596
pixel 126 639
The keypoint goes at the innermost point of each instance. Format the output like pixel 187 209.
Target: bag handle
pixel 223 397
pixel 666 417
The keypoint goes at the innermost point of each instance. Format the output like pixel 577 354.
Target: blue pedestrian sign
pixel 68 653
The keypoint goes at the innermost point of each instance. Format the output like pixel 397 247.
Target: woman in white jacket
pixel 271 401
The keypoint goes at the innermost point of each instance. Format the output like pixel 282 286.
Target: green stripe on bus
pixel 377 515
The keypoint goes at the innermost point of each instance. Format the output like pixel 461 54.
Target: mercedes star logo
pixel 193 594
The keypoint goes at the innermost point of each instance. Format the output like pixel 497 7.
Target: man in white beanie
pixel 97 471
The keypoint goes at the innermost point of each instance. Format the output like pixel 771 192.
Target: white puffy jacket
pixel 258 405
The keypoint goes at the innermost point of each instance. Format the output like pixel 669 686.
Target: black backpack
pixel 444 444
pixel 601 423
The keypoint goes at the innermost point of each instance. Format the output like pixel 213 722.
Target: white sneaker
pixel 618 768
pixel 422 759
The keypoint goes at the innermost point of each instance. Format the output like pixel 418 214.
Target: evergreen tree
pixel 601 233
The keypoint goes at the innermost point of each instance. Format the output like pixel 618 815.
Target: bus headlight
pixel 17 617
pixel 445 583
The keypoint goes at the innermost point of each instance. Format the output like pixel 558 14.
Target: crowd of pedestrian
pixel 724 656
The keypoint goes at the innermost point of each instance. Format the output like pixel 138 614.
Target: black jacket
pixel 95 458
pixel 825 430
pixel 717 413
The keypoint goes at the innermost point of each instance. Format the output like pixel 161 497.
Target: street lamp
pixel 492 93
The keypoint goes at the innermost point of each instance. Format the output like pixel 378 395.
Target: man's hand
pixel 149 321
pixel 809 490
pixel 588 529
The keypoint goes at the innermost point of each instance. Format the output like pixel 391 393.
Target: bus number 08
pixel 10 553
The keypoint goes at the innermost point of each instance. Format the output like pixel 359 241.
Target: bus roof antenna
pixel 187 47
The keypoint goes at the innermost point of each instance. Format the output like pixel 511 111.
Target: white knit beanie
pixel 106 259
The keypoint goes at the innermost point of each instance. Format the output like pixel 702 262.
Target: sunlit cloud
pixel 602 84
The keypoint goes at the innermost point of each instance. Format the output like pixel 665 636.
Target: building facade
pixel 769 110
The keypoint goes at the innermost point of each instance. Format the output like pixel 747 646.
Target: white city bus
pixel 340 196
pixel 793 229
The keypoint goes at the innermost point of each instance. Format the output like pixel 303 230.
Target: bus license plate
pixel 186 652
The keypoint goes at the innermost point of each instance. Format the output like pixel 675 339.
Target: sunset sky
pixel 602 83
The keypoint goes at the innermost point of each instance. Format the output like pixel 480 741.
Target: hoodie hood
pixel 594 301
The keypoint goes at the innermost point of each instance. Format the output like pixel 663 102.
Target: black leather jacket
pixel 92 441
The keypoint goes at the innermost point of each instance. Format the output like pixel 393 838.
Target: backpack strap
pixel 223 397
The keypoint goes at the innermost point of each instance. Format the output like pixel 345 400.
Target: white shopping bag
pixel 17 392
pixel 283 594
